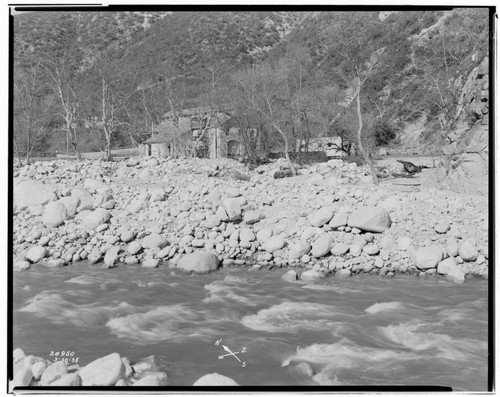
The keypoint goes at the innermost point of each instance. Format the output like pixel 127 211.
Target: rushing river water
pixel 362 330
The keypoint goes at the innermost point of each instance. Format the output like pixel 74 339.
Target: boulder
pixel 94 185
pixel 21 266
pixel 53 372
pixel 71 203
pixel 199 262
pixel 339 249
pixel 54 214
pixel 247 235
pixel 112 255
pixel 86 199
pixel 153 379
pixel 150 263
pixel 274 244
pixel 338 220
pixel 96 218
pixel 290 276
pixel 322 245
pixel 36 253
pixel 312 275
pixel 72 379
pixel 232 207
pixel 136 206
pixel 298 249
pixel 427 257
pixel 321 217
pixel 22 378
pixel 447 265
pixel 102 198
pixel 154 240
pixel 468 251
pixel 456 275
pixel 370 219
pixel 134 248
pixel 343 273
pixel 31 193
pixel 215 379
pixel 104 371
pixel 251 217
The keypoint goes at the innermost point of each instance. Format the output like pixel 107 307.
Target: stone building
pixel 216 134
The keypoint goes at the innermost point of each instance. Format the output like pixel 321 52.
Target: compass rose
pixel 231 353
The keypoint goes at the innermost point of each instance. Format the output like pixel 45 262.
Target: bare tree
pixel 110 98
pixel 355 61
pixel 67 92
pixel 267 88
pixel 30 110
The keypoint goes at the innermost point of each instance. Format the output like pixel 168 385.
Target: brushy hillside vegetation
pixel 132 67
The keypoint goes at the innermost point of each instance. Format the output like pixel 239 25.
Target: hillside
pixel 181 59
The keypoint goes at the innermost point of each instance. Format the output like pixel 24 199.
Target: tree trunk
pixel 18 154
pixel 287 156
pixel 107 156
pixel 365 155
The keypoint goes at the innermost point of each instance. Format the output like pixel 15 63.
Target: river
pixel 361 330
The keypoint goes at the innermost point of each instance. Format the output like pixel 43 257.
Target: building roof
pixel 158 138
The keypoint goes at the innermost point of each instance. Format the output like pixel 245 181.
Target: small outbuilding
pixel 155 146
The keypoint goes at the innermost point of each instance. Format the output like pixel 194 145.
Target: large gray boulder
pixel 215 379
pixel 36 253
pixel 298 249
pixel 275 243
pixel 428 257
pixel 322 245
pixel 32 193
pixel 232 206
pixel 54 214
pixel 154 240
pixel 321 217
pixel 370 219
pixel 199 262
pixel 104 371
pixel 96 218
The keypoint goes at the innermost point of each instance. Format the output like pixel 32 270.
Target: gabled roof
pixel 157 138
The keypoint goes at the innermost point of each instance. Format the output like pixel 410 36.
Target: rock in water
pixel 447 265
pixel 54 214
pixel 36 253
pixel 370 219
pixel 290 276
pixel 428 257
pixel 104 371
pixel 215 379
pixel 312 275
pixel 111 256
pixel 199 262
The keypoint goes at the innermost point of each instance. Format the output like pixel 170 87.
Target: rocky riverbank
pixel 199 214
pixel 109 370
